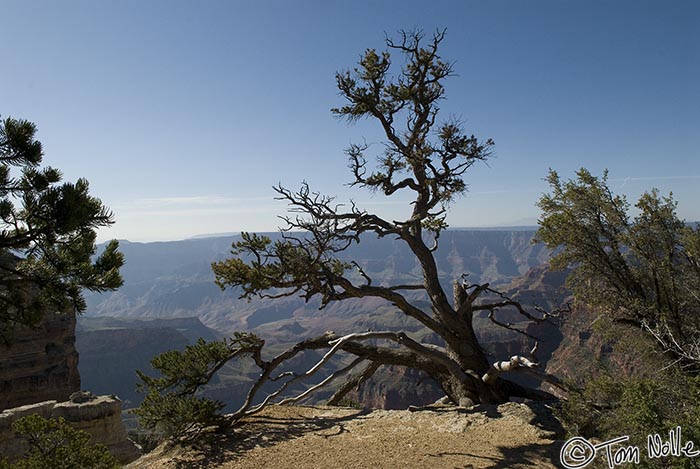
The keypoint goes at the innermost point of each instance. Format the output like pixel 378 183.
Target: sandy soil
pixel 507 436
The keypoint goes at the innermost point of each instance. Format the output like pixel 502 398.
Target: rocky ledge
pixel 100 416
pixel 511 435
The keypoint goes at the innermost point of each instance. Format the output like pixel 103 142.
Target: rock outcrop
pixel 39 364
pixel 100 416
pixel 39 375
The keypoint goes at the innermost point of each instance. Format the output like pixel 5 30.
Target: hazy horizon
pixel 236 233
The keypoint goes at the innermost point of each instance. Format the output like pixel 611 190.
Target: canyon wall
pixel 39 375
pixel 39 364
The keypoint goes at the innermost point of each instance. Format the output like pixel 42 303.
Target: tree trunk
pixel 466 351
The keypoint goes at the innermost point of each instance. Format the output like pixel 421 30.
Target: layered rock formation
pixel 98 416
pixel 39 375
pixel 40 364
pixel 174 279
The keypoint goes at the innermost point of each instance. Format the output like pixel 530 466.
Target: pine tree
pixel 47 235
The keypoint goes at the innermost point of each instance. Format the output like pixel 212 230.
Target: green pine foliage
pixel 174 416
pixel 174 406
pixel 47 235
pixel 643 274
pixel 55 444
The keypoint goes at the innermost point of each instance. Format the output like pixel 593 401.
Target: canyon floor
pixel 511 435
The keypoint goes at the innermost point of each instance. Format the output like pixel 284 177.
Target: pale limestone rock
pixel 100 417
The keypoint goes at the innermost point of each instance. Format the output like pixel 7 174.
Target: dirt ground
pixel 508 436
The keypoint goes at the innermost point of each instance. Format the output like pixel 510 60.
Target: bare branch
pixel 533 351
pixel 363 273
pixel 323 383
pixel 506 302
pixel 406 287
pixel 269 367
pixel 509 326
pixel 688 354
pixel 355 382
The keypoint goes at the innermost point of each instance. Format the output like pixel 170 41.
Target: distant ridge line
pixel 456 228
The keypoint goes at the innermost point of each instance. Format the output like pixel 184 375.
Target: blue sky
pixel 182 115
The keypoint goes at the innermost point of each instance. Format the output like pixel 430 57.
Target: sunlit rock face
pixel 99 416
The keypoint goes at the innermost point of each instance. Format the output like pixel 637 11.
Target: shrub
pixel 55 444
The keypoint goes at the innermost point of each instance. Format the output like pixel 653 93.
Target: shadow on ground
pixel 266 430
pixel 530 455
pixel 258 432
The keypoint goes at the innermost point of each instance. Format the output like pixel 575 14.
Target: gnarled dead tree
pixel 424 158
pixel 421 157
